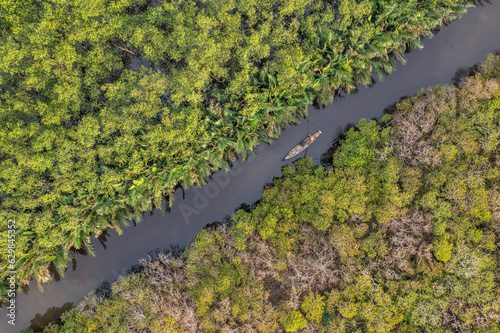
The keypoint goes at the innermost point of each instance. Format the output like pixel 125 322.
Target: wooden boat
pixel 302 145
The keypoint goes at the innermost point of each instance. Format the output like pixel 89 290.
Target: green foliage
pixel 313 306
pixel 294 321
pixel 360 145
pixel 107 106
pixel 442 250
pixel 405 240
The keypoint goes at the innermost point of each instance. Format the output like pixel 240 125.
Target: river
pixel 459 45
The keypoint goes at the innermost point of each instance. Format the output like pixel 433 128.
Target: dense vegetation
pixel 400 234
pixel 107 106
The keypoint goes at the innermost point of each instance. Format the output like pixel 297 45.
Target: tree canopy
pixel 399 234
pixel 107 106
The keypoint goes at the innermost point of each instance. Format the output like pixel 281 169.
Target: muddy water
pixel 459 45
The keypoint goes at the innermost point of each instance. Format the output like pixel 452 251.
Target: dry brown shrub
pixel 451 319
pixel 479 89
pixel 492 87
pixel 261 258
pixel 316 266
pixel 408 242
pixel 411 128
pixel 166 273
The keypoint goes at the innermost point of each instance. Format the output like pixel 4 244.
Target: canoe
pixel 302 145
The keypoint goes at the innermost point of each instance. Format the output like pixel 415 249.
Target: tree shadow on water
pixel 339 135
pixel 52 314
pixel 464 72
pixel 481 3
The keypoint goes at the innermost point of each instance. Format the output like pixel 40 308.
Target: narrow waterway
pixel 459 45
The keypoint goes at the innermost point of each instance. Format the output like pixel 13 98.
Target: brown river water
pixel 458 46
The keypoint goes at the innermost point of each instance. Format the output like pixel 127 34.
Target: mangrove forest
pixel 108 106
pixel 398 232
